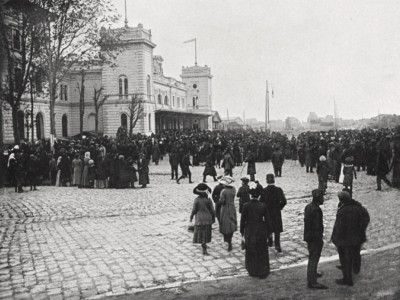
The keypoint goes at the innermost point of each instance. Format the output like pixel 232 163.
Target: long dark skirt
pixel 257 257
pixel 202 234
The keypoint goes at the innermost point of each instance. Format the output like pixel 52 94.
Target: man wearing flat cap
pixel 346 235
pixel 275 201
pixel 313 235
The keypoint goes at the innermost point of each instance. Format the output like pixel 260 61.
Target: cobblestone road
pixel 77 243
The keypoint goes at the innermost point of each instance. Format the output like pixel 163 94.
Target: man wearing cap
pixel 277 160
pixel 346 235
pixel 275 201
pixel 243 193
pixel 313 235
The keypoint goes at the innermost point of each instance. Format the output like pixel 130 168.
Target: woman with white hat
pixel 228 220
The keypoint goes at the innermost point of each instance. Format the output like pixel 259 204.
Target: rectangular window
pixel 173 101
pixel 63 92
pixel 179 102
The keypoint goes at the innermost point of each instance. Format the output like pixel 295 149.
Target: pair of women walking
pixel 204 213
pixel 253 225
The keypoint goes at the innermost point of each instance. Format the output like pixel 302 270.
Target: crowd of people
pixel 104 162
pixel 261 225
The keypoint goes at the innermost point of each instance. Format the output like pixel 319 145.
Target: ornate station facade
pixel 168 103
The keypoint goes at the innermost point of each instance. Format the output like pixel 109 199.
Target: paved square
pixel 71 243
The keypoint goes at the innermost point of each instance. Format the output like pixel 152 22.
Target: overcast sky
pixel 311 52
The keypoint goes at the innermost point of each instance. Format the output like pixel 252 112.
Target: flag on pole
pixel 189 41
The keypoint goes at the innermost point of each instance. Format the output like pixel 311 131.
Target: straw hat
pixel 227 181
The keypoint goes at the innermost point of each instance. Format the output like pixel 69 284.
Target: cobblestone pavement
pixel 379 279
pixel 80 243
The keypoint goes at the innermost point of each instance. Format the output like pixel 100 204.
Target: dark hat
pixel 270 178
pixel 201 189
pixel 245 179
pixel 344 196
pixel 316 193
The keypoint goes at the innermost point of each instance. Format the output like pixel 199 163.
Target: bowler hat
pixel 270 178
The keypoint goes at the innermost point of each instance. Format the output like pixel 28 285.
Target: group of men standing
pixel 349 233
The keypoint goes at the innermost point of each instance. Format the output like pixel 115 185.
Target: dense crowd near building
pixel 104 162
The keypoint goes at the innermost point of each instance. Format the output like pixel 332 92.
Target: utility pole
pixel 267 108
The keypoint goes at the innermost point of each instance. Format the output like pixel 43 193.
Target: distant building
pixel 233 123
pixel 255 124
pixel 292 123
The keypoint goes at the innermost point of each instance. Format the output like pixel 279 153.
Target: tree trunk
pixel 96 120
pixel 14 114
pixel 130 124
pixel 1 124
pixel 81 90
pixel 53 93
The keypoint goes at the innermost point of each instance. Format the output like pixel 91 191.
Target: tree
pixel 98 103
pixel 135 111
pixel 81 91
pixel 74 35
pixel 20 47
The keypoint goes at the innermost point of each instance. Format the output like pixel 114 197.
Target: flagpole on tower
pixel 195 49
pixel 126 18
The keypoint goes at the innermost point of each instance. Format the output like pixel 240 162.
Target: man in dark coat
pixel 251 165
pixel 174 162
pixel 275 201
pixel 382 168
pixel 277 161
pixel 346 235
pixel 143 169
pixel 209 169
pixel 313 235
pixel 365 219
pixel 185 163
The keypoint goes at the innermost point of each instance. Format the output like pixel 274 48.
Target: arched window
pixel 166 100
pixel 39 126
pixel 124 120
pixel 91 122
pixel 64 125
pixel 148 86
pixel 123 87
pixel 21 124
pixel 159 99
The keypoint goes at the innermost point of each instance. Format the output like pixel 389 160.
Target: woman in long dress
pixel 254 229
pixel 77 167
pixel 85 174
pixel 228 220
pixel 204 213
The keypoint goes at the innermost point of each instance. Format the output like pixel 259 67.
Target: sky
pixel 312 53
